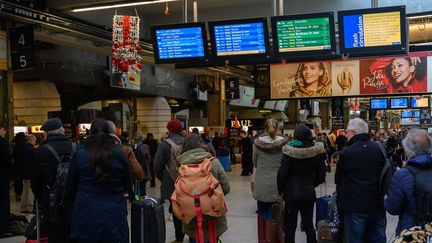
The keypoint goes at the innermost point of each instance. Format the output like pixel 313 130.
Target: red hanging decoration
pixel 126 46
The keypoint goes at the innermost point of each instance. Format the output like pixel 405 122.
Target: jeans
pixel 291 213
pixel 27 197
pixel 363 228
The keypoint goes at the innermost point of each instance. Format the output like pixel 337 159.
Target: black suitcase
pixel 148 221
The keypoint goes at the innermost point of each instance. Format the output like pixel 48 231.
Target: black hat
pixel 51 124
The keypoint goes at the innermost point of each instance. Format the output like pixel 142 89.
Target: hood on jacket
pixel 303 153
pixel 269 144
pixel 421 161
pixel 193 156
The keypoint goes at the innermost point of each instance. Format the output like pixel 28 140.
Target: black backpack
pixel 386 172
pixel 423 194
pixel 138 155
pixel 57 212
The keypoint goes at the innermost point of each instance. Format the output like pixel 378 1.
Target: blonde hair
pixel 323 80
pixel 271 127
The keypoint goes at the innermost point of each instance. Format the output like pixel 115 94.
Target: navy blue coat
pixel 99 209
pixel 400 198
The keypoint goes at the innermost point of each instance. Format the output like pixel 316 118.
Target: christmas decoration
pixel 125 36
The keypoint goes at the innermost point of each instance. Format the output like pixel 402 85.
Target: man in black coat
pixel 28 168
pixel 246 146
pixel 357 184
pixel 46 171
pixel 5 171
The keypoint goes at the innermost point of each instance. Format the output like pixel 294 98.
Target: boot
pixel 271 232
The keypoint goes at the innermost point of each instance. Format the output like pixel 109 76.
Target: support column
pixel 153 114
pixel 33 100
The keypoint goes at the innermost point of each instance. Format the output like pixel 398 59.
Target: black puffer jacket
pixel 357 176
pixel 302 170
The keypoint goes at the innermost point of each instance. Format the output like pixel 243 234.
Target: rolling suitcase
pixel 33 231
pixel 327 232
pixel 148 221
pixel 322 206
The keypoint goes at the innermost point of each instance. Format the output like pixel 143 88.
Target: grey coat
pixel 267 157
pixel 162 158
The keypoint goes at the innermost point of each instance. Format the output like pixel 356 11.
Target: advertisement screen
pixel 378 104
pixel 397 103
pixel 374 29
pixel 239 39
pixel 303 34
pixel 180 43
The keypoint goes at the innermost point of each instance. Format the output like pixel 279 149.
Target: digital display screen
pixel 410 121
pixel 416 113
pixel 303 34
pixel 378 103
pixel 416 119
pixel 419 102
pixel 180 43
pixel 407 114
pixel 398 102
pixel 240 39
pixel 372 29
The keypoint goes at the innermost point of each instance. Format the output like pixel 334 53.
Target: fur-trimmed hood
pixel 304 153
pixel 266 143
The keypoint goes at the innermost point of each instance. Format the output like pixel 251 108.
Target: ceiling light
pixel 121 5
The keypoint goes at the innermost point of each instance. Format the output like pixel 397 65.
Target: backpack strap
pixel 170 142
pixel 53 152
pixel 212 231
pixel 381 147
pixel 199 234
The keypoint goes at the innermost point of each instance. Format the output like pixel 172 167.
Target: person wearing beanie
pixel 161 169
pixel 302 169
pixel 46 172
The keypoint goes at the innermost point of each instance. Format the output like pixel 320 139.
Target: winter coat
pixel 267 157
pixel 357 176
pixel 196 156
pixel 46 167
pixel 136 169
pixel 28 161
pixel 246 146
pixel 400 198
pixel 99 209
pixel 302 169
pixel 162 162
pixel 5 169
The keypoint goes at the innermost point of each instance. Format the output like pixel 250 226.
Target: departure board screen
pixel 239 38
pixel 398 103
pixel 303 34
pixel 373 29
pixel 180 43
pixel 378 103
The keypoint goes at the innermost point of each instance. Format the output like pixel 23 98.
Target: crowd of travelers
pixel 102 170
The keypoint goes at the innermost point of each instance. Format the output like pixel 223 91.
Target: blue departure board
pixel 398 103
pixel 180 43
pixel 239 39
pixel 378 103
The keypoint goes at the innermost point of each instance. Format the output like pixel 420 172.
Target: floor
pixel 241 212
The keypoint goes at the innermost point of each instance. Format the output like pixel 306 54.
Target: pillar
pixel 33 100
pixel 153 114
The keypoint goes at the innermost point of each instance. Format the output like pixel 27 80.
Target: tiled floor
pixel 241 212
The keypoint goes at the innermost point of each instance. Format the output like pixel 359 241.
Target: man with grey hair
pixel 358 186
pixel 46 172
pixel 410 190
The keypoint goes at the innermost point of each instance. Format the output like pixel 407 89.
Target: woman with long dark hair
pixel 99 175
pixel 302 169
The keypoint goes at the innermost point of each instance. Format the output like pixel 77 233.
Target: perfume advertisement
pixel 405 74
pixel 386 75
pixel 345 76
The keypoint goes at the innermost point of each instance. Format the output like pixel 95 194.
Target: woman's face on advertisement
pixel 401 70
pixel 311 72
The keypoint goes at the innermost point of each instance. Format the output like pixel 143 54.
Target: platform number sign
pixel 232 88
pixel 22 47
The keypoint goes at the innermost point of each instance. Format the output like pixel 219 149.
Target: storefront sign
pixel 3 51
pixel 36 129
pixel 256 123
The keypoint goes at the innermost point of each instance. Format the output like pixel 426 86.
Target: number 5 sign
pixel 22 47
